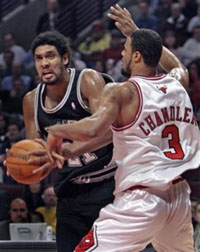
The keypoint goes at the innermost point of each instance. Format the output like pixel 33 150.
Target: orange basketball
pixel 17 162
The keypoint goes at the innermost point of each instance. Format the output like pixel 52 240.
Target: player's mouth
pixel 48 75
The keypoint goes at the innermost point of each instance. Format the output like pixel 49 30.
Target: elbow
pixel 186 79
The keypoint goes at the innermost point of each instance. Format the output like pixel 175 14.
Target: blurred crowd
pixel 178 23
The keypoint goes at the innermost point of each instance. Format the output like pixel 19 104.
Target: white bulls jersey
pixel 163 139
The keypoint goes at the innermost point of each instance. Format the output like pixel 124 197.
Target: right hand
pixel 123 20
pixel 42 159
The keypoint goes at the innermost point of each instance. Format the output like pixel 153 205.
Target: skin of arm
pixel 169 62
pixel 75 149
pixel 32 133
pixel 28 112
pixel 90 127
pixel 42 157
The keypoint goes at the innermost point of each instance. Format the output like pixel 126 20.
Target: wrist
pixel 67 150
pixel 52 130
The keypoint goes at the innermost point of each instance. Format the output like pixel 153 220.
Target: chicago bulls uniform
pixel 152 202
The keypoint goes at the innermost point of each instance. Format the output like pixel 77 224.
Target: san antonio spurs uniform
pixel 85 184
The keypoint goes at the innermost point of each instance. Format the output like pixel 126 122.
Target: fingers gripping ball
pixel 17 162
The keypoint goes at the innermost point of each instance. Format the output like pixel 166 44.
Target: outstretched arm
pixel 90 127
pixel 169 62
pixel 77 148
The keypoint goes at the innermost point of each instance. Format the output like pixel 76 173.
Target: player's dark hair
pixel 149 44
pixel 53 38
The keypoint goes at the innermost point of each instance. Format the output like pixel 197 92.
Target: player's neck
pixel 144 71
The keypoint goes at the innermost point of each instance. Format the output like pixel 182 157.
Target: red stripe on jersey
pixel 155 77
pixel 139 109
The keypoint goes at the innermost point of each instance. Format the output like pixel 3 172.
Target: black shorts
pixel 77 212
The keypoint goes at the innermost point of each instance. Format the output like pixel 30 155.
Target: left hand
pixel 123 20
pixel 42 159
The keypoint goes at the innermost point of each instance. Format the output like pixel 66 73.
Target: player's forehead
pixel 45 49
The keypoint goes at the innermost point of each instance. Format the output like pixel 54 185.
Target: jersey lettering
pixel 86 158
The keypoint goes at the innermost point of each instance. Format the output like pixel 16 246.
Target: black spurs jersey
pixel 87 168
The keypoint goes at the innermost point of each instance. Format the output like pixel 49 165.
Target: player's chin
pixel 50 82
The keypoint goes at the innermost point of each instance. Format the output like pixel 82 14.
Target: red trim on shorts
pixel 139 109
pixel 88 242
pixel 175 181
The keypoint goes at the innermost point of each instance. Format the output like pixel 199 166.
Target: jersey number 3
pixel 172 132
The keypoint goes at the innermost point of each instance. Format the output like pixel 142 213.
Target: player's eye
pixel 51 56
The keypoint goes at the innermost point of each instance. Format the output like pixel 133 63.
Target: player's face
pixel 49 64
pixel 126 58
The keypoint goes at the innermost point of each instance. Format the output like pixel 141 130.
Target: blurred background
pixel 96 44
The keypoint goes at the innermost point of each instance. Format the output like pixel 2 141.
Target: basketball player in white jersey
pixel 155 138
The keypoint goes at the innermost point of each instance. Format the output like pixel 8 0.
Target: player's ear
pixel 137 56
pixel 65 59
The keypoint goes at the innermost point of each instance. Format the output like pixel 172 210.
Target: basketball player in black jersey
pixel 85 184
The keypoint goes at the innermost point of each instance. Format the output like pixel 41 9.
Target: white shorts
pixel 142 216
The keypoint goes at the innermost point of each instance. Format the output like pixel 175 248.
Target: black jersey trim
pixel 94 177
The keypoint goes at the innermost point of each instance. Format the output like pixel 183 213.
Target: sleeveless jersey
pixel 163 139
pixel 94 166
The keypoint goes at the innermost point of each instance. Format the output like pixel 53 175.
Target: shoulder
pixel 123 89
pixel 29 97
pixel 92 83
pixel 90 74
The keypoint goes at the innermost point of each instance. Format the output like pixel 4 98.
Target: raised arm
pixel 169 62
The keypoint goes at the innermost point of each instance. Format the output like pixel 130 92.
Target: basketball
pixel 17 162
